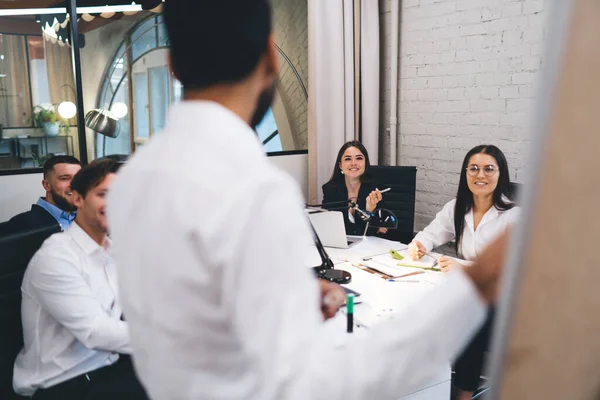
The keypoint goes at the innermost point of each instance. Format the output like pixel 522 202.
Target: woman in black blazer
pixel 351 181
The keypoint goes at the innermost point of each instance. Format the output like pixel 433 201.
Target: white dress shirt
pixel 441 230
pixel 210 239
pixel 70 313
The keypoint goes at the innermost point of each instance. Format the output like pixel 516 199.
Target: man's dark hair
pixel 92 175
pixel 52 161
pixel 216 41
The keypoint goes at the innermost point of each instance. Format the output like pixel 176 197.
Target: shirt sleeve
pixel 57 285
pixel 512 216
pixel 441 230
pixel 328 195
pixel 276 315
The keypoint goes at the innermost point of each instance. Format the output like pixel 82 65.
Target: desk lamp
pixel 380 218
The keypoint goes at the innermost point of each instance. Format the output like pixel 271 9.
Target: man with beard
pixel 210 238
pixel 57 206
pixel 72 327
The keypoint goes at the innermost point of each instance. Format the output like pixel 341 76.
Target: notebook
pixel 392 268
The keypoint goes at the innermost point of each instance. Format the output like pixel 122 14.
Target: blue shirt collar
pixel 64 218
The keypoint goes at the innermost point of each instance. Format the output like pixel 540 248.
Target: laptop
pixel 330 228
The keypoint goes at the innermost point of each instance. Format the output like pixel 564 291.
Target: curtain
pixel 61 82
pixel 369 77
pixel 15 93
pixel 343 42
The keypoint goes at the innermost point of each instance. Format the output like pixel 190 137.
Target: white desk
pixel 380 300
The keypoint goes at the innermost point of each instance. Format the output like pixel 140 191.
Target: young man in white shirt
pixel 218 300
pixel 71 315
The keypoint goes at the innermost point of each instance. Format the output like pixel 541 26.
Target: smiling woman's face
pixel 352 163
pixel 483 183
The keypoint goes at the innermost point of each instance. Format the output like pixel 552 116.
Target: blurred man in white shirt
pixel 219 302
pixel 72 329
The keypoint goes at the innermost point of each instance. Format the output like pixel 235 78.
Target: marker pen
pixel 350 312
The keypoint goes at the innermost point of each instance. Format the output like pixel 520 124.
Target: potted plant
pixel 47 119
pixel 40 160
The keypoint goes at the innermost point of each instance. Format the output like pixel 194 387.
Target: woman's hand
pixel 383 231
pixel 416 250
pixel 448 263
pixel 372 199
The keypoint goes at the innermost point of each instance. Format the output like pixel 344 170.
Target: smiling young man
pixel 72 327
pixel 58 174
pixel 56 207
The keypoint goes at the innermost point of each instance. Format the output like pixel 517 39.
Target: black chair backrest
pixel 515 188
pixel 17 247
pixel 400 199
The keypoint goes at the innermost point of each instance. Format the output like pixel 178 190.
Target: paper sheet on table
pixel 405 267
pixel 426 261
pixel 367 247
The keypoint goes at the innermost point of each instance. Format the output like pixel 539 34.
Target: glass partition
pixel 37 92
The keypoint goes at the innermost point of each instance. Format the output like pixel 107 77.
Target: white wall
pixel 297 166
pixel 468 73
pixel 18 193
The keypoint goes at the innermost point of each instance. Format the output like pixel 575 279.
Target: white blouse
pixel 441 230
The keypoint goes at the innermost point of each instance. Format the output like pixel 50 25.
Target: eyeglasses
pixel 488 170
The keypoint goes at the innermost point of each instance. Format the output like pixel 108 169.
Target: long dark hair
pixel 464 196
pixel 337 175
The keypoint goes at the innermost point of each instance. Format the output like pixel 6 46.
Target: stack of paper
pixel 393 268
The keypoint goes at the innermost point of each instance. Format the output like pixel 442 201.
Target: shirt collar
pixel 83 240
pixel 185 117
pixel 56 212
pixel 490 214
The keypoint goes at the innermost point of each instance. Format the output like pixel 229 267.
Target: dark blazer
pixel 337 193
pixel 37 217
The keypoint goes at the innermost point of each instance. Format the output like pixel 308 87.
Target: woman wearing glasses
pixel 483 208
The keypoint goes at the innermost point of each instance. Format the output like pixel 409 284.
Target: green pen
pixel 350 312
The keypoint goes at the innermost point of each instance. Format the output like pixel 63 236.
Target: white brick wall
pixel 468 74
pixel 290 27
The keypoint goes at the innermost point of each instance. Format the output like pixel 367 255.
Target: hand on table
pixel 448 263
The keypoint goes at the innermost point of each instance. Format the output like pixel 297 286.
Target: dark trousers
pixel 114 382
pixel 469 365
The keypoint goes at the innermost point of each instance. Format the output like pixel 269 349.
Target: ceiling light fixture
pixel 63 10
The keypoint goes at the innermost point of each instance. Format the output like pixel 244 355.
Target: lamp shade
pixel 67 109
pixel 119 110
pixel 99 121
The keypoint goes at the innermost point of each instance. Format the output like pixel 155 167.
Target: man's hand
pixel 332 298
pixel 487 269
